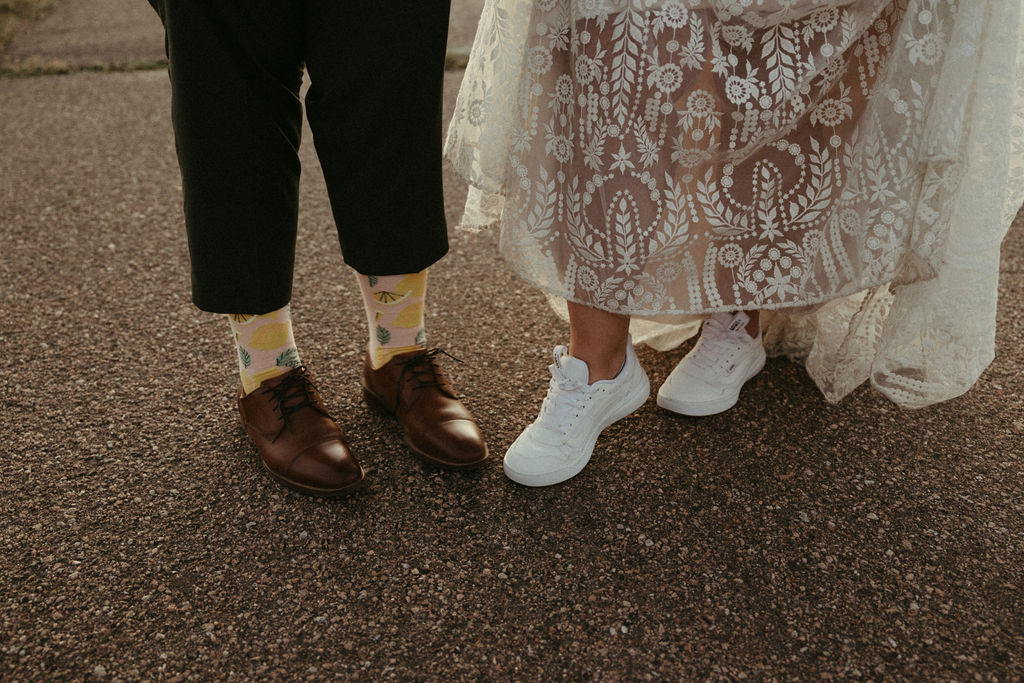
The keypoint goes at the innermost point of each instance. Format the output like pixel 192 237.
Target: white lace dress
pixel 850 166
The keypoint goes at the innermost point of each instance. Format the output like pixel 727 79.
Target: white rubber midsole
pixel 704 408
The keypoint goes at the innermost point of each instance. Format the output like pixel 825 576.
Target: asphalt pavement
pixel 139 538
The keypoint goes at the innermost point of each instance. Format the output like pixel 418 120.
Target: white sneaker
pixel 558 444
pixel 709 378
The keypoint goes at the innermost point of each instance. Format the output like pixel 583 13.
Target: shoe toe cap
pixel 453 443
pixel 533 458
pixel 327 466
pixel 692 387
pixel 516 465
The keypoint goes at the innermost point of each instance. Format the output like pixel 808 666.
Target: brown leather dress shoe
pixel 298 441
pixel 438 428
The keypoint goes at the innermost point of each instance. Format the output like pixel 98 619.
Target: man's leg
pixel 394 314
pixel 235 70
pixel 375 110
pixel 265 345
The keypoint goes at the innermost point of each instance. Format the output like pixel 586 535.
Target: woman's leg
pixel 754 324
pixel 597 384
pixel 598 338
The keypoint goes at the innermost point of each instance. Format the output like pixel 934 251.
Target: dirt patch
pixel 13 13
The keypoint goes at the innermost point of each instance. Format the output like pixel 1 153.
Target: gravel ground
pixel 139 538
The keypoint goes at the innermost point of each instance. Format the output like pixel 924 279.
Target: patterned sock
pixel 266 347
pixel 394 313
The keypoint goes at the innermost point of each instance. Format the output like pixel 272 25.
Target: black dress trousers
pixel 374 106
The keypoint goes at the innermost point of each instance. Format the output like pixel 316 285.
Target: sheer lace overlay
pixel 851 165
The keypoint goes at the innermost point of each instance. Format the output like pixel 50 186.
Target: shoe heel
pixel 640 396
pixel 375 402
pixel 632 403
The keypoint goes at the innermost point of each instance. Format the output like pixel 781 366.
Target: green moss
pixel 35 66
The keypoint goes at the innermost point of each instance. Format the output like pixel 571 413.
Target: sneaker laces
pixel 716 346
pixel 564 401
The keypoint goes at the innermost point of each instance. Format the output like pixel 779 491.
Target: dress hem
pixel 664 317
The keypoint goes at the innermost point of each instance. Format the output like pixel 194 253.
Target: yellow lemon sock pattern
pixel 266 346
pixel 394 313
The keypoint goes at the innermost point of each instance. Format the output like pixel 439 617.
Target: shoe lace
pixel 561 407
pixel 423 370
pixel 715 348
pixel 294 393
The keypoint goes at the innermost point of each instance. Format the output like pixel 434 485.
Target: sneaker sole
pixel 705 408
pixel 636 399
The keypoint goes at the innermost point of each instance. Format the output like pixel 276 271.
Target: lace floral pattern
pixel 665 158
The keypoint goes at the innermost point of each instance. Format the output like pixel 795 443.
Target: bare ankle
pixel 598 338
pixel 754 324
pixel 601 366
